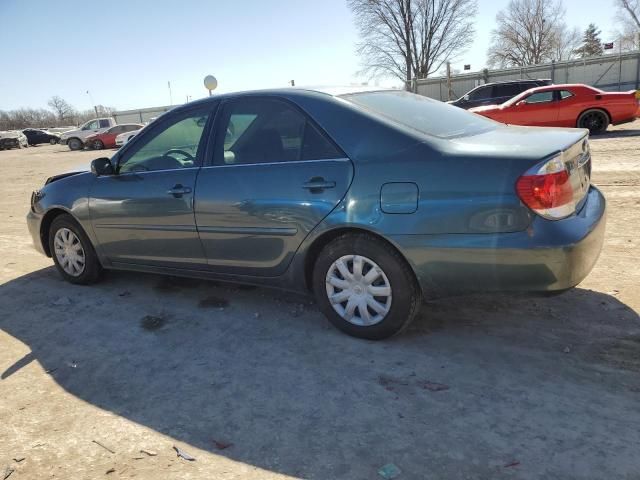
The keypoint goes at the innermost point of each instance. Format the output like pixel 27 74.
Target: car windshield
pixel 423 114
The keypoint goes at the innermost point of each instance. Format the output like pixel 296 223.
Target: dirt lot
pixel 254 383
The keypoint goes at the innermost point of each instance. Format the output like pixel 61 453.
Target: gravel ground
pixel 103 381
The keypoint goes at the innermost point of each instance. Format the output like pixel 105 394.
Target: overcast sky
pixel 125 51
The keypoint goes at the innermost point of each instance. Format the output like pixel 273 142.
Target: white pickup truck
pixel 75 138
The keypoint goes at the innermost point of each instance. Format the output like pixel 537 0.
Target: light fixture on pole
pixel 210 83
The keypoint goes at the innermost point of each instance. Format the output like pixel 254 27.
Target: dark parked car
pixel 36 136
pixel 370 199
pixel 496 93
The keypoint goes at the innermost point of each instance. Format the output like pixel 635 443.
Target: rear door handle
pixel 178 190
pixel 318 184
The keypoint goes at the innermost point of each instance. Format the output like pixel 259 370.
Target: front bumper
pixel 548 256
pixel 34 220
pixel 9 142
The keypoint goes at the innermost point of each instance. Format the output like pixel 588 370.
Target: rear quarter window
pixel 422 114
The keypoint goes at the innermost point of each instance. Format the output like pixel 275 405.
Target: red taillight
pixel 545 191
pixel 548 190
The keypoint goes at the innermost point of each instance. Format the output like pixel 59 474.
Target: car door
pixel 479 97
pixel 109 137
pixel 274 175
pixel 41 137
pixel 144 213
pixel 536 109
pixel 568 108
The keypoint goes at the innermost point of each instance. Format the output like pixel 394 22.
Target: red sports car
pixel 107 139
pixel 566 106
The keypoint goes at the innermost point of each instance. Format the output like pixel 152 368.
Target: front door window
pixel 173 147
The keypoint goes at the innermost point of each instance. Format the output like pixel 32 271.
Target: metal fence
pixel 141 115
pixel 608 72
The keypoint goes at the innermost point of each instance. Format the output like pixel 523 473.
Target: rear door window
pixel 261 130
pixel 540 97
pixel 508 90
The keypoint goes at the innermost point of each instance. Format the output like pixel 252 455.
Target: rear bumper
pixel 548 256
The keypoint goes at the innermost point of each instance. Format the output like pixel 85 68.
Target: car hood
pixel 507 141
pixel 69 133
pixel 11 134
pixel 485 108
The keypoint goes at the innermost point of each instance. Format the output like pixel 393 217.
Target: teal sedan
pixel 370 199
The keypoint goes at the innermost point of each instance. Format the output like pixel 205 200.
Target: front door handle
pixel 318 184
pixel 178 190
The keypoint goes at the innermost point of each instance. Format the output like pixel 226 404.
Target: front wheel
pixel 74 144
pixel 97 145
pixel 53 141
pixel 365 288
pixel 72 252
pixel 596 121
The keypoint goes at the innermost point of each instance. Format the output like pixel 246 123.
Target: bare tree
pixel 411 39
pixel 26 117
pixel 62 109
pixel 566 42
pixel 529 32
pixel 629 19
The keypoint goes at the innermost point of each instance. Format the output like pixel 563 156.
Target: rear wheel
pixel 364 287
pixel 596 121
pixel 53 141
pixel 72 252
pixel 74 144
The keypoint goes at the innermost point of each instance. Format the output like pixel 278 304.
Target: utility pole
pixel 449 89
pixel 170 96
pixel 619 62
pixel 95 107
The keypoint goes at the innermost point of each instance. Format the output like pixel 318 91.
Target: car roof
pixel 333 91
pixel 507 82
pixel 563 86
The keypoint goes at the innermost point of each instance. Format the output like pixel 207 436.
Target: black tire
pixel 92 267
pixel 97 145
pixel 596 121
pixel 74 144
pixel 406 295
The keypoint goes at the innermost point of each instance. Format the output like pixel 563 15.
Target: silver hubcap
pixel 69 252
pixel 358 290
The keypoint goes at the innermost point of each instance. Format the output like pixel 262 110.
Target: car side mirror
pixel 102 166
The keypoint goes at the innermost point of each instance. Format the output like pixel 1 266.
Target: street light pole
pixel 95 107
